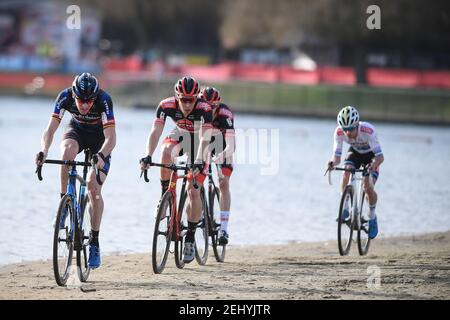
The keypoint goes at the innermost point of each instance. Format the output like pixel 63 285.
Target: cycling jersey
pixel 223 125
pixel 200 116
pixel 100 116
pixel 222 119
pixel 366 141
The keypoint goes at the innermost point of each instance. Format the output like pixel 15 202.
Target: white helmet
pixel 348 117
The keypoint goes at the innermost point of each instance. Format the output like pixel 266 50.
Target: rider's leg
pixel 96 199
pixel 346 177
pixel 372 196
pixel 97 205
pixel 169 151
pixel 194 211
pixel 195 207
pixel 372 199
pixel 69 150
pixel 225 202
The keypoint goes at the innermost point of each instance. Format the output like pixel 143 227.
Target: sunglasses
pixel 187 100
pixel 349 129
pixel 85 101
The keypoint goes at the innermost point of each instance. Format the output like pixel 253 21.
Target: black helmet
pixel 85 86
pixel 187 87
pixel 210 94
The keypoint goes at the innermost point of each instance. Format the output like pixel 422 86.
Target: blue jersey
pixel 100 116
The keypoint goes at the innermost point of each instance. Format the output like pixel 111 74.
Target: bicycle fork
pixel 354 223
pixel 357 195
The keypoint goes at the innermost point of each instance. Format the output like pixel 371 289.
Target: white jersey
pixel 365 142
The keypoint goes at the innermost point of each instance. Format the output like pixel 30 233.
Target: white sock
pixel 224 215
pixel 372 214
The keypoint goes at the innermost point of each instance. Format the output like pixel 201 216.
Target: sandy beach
pixel 412 267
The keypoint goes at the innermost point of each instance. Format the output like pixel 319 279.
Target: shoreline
pixel 254 112
pixel 408 267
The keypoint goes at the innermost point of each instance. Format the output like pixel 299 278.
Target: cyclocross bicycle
pixel 357 219
pixel 72 224
pixel 213 210
pixel 171 222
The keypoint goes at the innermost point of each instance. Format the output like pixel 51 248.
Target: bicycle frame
pixel 357 195
pixel 176 233
pixel 72 190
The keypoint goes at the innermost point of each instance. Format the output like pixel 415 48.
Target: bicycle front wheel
pixel 63 238
pixel 214 215
pixel 84 233
pixel 345 221
pixel 363 230
pixel 162 233
pixel 201 235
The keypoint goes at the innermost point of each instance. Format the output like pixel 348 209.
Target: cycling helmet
pixel 85 86
pixel 348 117
pixel 187 87
pixel 210 94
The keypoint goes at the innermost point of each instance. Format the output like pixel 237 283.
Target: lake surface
pixel 274 200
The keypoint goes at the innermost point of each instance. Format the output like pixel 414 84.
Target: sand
pixel 410 267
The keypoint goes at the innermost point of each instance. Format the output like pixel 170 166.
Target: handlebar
pixel 68 163
pixel 172 167
pixel 39 167
pixel 351 170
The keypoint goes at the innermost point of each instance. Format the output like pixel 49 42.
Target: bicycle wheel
pixel 82 252
pixel 183 225
pixel 214 215
pixel 201 235
pixel 63 238
pixel 162 233
pixel 345 224
pixel 363 228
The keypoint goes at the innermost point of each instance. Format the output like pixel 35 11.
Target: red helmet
pixel 187 87
pixel 210 94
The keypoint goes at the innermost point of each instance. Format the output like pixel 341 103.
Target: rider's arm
pixel 376 149
pixel 110 140
pixel 205 136
pixel 337 147
pixel 49 132
pixel 53 124
pixel 377 161
pixel 155 134
pixel 109 125
pixel 230 143
pixel 225 119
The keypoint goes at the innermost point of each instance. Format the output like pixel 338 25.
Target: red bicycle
pixel 171 222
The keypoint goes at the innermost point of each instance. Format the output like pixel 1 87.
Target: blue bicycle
pixel 72 224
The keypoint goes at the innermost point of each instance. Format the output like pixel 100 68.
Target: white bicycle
pixel 353 212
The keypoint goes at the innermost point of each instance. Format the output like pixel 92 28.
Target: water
pixel 297 204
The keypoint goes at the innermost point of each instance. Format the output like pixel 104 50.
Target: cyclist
pixel 192 117
pixel 223 147
pixel 92 126
pixel 364 150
